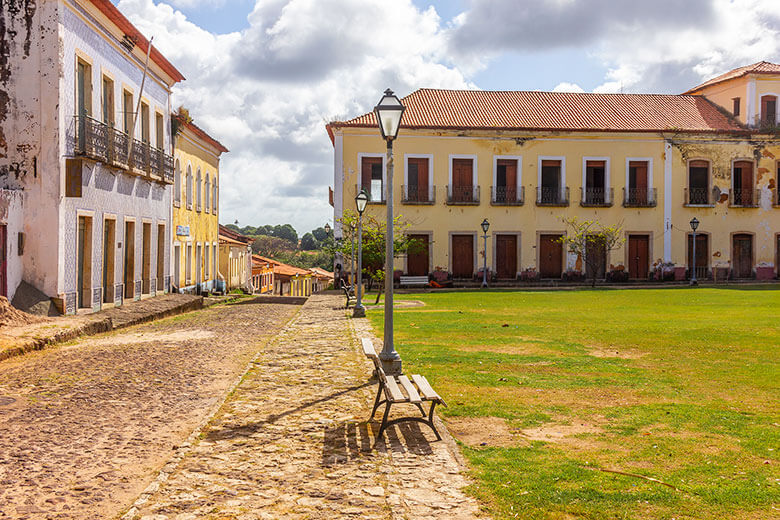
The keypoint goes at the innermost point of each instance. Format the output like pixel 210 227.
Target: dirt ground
pixel 85 426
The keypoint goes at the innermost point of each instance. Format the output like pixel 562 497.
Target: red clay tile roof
pixel 195 129
pixel 761 67
pixel 555 111
pixel 124 25
pixel 232 235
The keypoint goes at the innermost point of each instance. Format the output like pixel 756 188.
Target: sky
pixel 265 76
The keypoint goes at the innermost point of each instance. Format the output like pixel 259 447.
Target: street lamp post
pixel 388 114
pixel 360 201
pixel 485 226
pixel 694 226
pixel 352 256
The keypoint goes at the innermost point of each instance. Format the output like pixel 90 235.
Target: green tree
pixel 271 247
pixel 320 234
pixel 592 241
pixel 309 243
pixel 374 232
pixel 286 232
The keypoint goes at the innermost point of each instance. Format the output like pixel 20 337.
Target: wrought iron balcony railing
pixel 699 197
pixel 639 198
pixel 463 195
pixel 374 196
pixel 552 196
pixel 507 195
pixel 418 195
pixel 748 198
pixel 104 143
pixel 596 197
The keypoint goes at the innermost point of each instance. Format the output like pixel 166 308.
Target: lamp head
pixel 694 223
pixel 485 226
pixel 361 200
pixel 388 112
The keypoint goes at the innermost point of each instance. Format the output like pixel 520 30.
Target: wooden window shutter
pixel 73 177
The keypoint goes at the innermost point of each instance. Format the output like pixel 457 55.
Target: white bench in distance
pixel 401 389
pixel 414 281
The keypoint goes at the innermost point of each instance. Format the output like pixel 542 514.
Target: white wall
pixel 11 214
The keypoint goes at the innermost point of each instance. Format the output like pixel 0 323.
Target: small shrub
pixel 617 276
pixel 529 275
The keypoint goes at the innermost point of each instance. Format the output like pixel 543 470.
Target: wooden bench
pixel 401 389
pixel 349 292
pixel 414 281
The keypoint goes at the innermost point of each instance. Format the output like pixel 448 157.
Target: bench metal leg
pixel 428 421
pixel 422 410
pixel 385 424
pixel 377 402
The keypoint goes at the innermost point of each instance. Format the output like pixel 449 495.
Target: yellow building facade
pixel 195 253
pixel 526 161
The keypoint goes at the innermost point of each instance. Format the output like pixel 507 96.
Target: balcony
pixel 507 195
pixel 596 197
pixel 639 198
pixel 463 195
pixel 552 196
pixel 698 197
pixel 416 195
pixel 739 198
pixel 373 197
pixel 108 145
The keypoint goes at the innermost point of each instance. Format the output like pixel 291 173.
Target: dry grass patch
pixel 485 432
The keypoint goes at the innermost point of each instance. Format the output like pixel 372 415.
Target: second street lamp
pixel 485 226
pixel 694 227
pixel 388 112
pixel 360 201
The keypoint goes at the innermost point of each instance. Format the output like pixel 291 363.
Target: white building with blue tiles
pixel 85 137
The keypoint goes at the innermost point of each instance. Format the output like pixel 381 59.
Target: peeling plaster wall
pixel 12 216
pixel 29 158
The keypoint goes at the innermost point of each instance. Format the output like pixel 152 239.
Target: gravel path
pixel 84 427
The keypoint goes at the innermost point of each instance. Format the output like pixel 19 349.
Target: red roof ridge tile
pixel 759 67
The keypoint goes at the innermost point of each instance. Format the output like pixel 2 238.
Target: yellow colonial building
pixel 528 160
pixel 195 253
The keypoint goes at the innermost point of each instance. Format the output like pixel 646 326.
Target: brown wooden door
pixel 550 256
pixel 637 183
pixel 462 180
pixel 506 256
pixel 743 183
pixel 462 256
pixel 417 263
pixel 702 255
pixel 3 260
pixel 743 256
pixel 506 184
pixel 638 256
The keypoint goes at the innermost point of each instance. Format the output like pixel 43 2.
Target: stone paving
pixel 292 442
pixel 86 425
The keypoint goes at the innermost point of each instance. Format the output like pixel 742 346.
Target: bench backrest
pixel 370 352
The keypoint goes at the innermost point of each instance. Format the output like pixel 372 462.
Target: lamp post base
pixel 392 367
pixel 694 283
pixel 359 312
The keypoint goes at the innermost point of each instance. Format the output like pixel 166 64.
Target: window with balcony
pixel 551 191
pixel 768 110
pixel 462 189
pixel 638 193
pixel 506 191
pixel 145 123
pixel 83 89
pixel 108 101
pixel 159 127
pixel 416 190
pixel 595 191
pixel 698 184
pixel 127 109
pixel 743 192
pixel 372 178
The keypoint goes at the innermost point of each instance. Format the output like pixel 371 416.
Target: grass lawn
pixel 551 388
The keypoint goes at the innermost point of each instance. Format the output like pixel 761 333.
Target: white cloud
pixel 267 92
pixel 568 87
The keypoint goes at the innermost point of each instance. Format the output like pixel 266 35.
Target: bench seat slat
pixel 429 394
pixel 411 391
pixel 395 393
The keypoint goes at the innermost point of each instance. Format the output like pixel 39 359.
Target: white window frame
pixel 428 156
pixel 519 159
pixel 474 171
pixel 777 106
pixel 540 158
pixel 607 174
pixel 649 161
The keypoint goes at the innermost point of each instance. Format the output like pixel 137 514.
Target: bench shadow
pixel 347 442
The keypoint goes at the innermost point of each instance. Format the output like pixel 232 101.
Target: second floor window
pixel 506 180
pixel 698 182
pixel 463 180
pixel 595 182
pixel 637 183
pixel 189 187
pixel 417 176
pixel 742 180
pixel 371 178
pixel 108 101
pixel 550 186
pixel 207 193
pixel 127 108
pixel 735 109
pixel 177 183
pixel 83 89
pixel 198 188
pixel 769 110
pixel 159 126
pixel 145 123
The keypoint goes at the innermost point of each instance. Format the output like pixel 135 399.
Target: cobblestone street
pixel 86 425
pixel 292 442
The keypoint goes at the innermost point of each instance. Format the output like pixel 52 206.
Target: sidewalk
pixel 15 341
pixel 292 442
